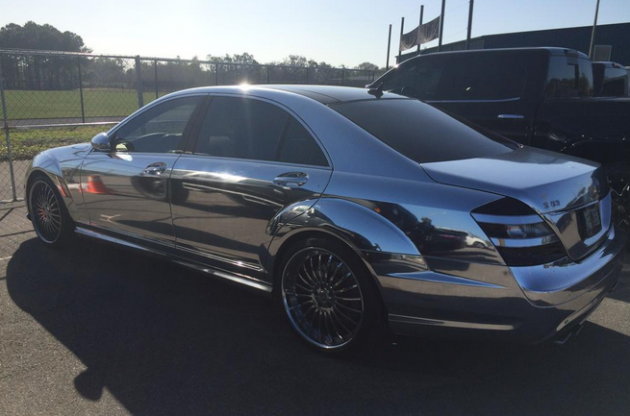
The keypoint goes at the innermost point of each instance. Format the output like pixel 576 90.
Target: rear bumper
pixel 522 304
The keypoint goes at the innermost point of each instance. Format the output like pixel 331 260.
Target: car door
pixel 251 160
pixel 126 190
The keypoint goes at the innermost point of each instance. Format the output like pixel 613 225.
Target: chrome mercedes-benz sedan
pixel 351 207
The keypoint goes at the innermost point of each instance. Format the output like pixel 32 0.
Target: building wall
pixel 579 38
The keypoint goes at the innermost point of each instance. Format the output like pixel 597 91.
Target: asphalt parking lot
pixel 102 331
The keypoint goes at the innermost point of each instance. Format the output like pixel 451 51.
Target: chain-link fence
pixel 51 99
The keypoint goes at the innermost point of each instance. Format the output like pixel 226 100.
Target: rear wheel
pixel 327 295
pixel 50 219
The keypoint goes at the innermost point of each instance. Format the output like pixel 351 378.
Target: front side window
pixel 159 129
pixel 245 128
pixel 421 132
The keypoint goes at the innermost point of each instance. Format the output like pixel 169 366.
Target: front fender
pixel 62 166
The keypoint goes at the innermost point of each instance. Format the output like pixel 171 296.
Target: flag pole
pixel 470 17
pixel 441 25
pixel 389 44
pixel 402 28
pixel 590 49
pixel 420 26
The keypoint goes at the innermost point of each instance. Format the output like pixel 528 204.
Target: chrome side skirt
pixel 244 280
pixel 449 324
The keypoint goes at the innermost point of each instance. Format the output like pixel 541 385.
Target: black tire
pixel 48 212
pixel 328 296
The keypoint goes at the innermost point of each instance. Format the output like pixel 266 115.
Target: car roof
pixel 325 94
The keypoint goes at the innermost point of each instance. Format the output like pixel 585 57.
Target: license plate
pixel 590 221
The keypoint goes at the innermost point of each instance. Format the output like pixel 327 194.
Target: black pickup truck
pixel 541 97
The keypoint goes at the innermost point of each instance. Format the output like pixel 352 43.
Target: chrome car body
pixel 414 226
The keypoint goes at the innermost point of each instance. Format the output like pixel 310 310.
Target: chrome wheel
pixel 322 298
pixel 45 212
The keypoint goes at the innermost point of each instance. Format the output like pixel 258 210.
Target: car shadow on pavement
pixel 165 341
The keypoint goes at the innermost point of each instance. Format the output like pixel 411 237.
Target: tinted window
pixel 615 82
pixel 569 78
pixel 479 76
pixel 419 131
pixel 159 129
pixel 241 128
pixel 418 79
pixel 299 147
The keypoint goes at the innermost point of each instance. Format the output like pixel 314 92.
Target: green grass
pixel 27 104
pixel 27 143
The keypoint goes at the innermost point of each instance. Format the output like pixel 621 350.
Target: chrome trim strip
pixel 444 278
pixel 104 237
pixel 507 219
pixel 525 242
pixel 503 100
pixel 511 116
pixel 228 276
pixel 449 324
pixel 210 256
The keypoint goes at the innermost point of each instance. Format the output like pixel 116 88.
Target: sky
pixel 339 32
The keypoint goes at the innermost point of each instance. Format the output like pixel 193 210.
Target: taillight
pixel 519 234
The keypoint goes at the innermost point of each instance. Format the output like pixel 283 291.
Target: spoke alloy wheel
pixel 322 298
pixel 46 212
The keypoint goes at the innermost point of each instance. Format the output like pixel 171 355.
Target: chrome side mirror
pixel 101 142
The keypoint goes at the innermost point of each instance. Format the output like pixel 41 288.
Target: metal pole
pixel 268 74
pixel 592 46
pixel 307 68
pixel 470 17
pixel 81 89
pixel 402 28
pixel 420 27
pixel 343 76
pixel 139 83
pixel 156 79
pixel 216 74
pixel 441 25
pixel 5 125
pixel 389 44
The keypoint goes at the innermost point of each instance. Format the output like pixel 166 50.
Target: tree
pixel 41 37
pixel 40 72
pixel 367 66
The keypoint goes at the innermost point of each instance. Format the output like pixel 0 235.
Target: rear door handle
pixel 291 179
pixel 156 168
pixel 511 116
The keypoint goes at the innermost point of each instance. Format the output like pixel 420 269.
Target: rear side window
pixel 241 128
pixel 569 77
pixel 421 132
pixel 244 128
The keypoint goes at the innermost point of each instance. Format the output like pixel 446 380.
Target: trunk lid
pixel 570 194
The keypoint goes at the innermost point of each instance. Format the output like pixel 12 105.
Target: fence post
pixel 343 76
pixel 307 68
pixel 156 79
pixel 216 74
pixel 139 83
pixel 5 127
pixel 81 89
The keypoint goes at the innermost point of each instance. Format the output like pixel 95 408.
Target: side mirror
pixel 101 142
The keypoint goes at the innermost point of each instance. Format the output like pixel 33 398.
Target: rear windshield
pixel 421 132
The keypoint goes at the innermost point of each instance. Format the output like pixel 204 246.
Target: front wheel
pixel 50 219
pixel 327 295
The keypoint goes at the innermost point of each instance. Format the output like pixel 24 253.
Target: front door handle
pixel 156 168
pixel 291 179
pixel 511 116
